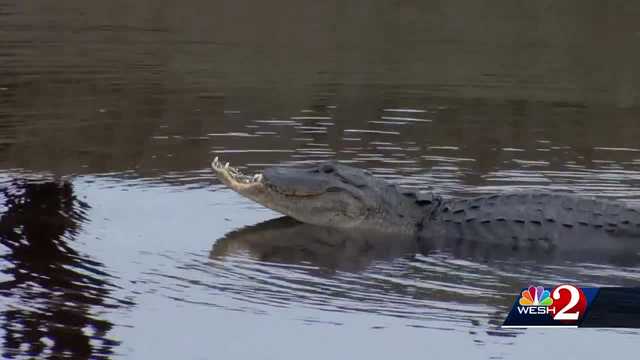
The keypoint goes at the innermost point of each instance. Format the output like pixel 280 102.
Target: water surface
pixel 116 242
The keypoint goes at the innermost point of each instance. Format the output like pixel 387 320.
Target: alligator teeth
pixel 234 172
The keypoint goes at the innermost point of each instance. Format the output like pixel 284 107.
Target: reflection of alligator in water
pixel 340 196
pixel 286 240
pixel 52 290
pixel 393 281
pixel 289 241
pixel 478 280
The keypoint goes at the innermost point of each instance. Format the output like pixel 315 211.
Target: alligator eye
pixel 327 169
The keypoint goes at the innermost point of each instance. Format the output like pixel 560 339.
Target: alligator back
pixel 537 219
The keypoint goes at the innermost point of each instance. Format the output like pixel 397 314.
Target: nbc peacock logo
pixel 536 296
pixel 536 300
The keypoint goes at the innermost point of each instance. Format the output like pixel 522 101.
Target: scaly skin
pixel 537 219
pixel 339 196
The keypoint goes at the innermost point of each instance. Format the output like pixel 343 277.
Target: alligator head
pixel 328 194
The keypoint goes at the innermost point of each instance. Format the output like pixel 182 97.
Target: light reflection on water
pixel 127 103
pixel 276 269
pixel 186 257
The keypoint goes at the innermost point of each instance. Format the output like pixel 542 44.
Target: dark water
pixel 117 242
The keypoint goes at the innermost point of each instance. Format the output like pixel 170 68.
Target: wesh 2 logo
pixel 563 305
pixel 565 302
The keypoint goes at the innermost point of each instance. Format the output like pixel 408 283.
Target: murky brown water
pixel 116 241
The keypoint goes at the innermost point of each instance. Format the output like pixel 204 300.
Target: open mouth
pixel 233 174
pixel 238 181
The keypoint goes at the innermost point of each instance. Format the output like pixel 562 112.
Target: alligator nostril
pixel 327 169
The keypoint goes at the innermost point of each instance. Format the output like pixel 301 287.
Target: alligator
pixel 336 195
